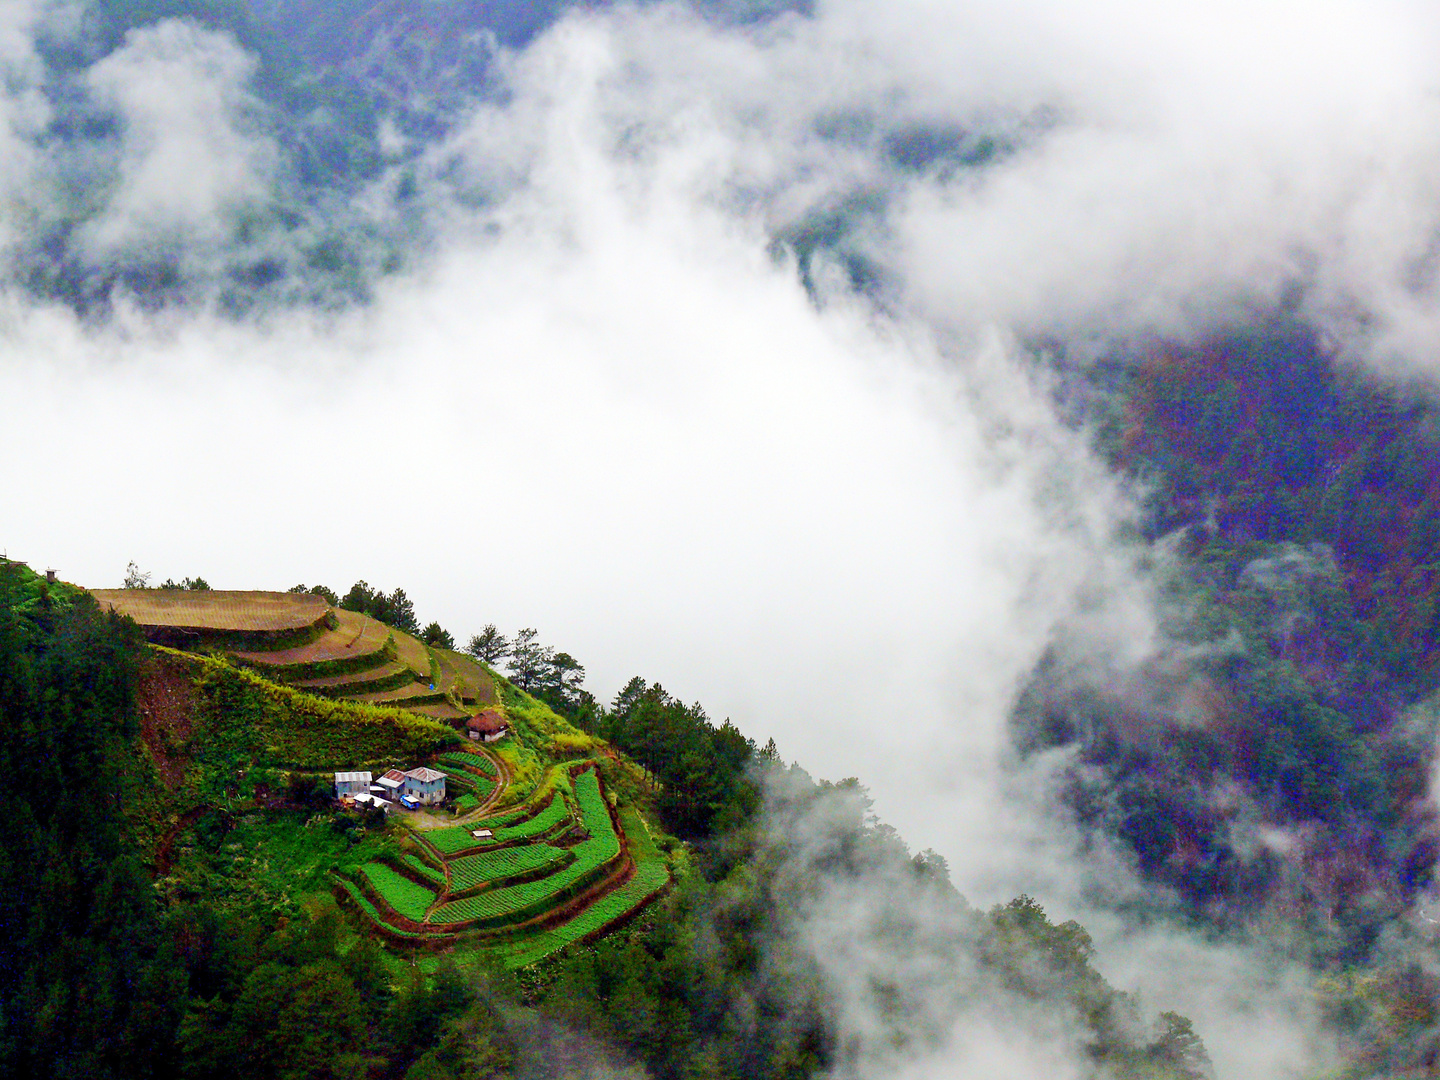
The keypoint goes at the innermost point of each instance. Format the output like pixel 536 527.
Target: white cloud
pixel 24 112
pixel 190 159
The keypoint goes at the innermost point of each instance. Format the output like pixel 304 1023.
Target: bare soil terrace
pixel 245 612
pixel 354 635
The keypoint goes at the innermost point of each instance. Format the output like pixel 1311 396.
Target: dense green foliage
pixel 84 970
pixel 701 769
pixel 1276 754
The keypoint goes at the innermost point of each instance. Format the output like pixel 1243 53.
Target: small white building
pixel 352 784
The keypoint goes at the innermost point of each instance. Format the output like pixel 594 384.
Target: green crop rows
pixel 466 803
pixel 402 894
pixel 425 870
pixel 483 786
pixel 469 761
pixel 516 903
pixel 474 870
pixel 457 838
pixel 459 778
pixel 651 875
pixel 496 821
pixel 542 822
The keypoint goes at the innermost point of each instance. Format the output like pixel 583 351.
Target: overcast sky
pixel 603 403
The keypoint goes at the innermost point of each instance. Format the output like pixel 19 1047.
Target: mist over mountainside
pixel 1026 409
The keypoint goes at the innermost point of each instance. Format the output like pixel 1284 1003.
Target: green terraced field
pixel 651 875
pixel 541 823
pixel 479 786
pixel 474 870
pixel 403 895
pixel 425 870
pixel 515 903
pixel 457 838
pixel 472 761
pixel 500 900
pixel 465 803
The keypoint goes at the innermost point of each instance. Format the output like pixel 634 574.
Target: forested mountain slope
pixel 168 908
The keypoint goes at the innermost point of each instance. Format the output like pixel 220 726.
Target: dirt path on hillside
pixel 166 703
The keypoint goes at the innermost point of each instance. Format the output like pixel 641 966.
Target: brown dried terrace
pixel 300 640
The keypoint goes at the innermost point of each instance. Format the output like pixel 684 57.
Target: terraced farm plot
pixel 355 636
pixel 540 824
pixel 652 874
pixel 447 679
pixel 425 870
pixel 419 693
pixel 516 903
pixel 459 779
pixel 649 879
pixel 499 821
pixel 372 913
pixel 413 653
pixel 473 761
pixel 405 896
pixel 479 787
pixel 369 680
pixel 458 838
pixel 201 611
pixel 475 680
pixel 489 866
pixel 437 710
pixel 465 803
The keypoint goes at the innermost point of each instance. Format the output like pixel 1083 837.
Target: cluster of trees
pixel 554 677
pixel 726 980
pixel 707 784
pixel 135 578
pixel 1263 439
pixel 393 609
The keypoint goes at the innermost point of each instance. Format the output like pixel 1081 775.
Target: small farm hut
pixel 425 786
pixel 352 783
pixel 487 726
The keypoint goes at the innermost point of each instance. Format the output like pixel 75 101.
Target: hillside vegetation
pixel 181 896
